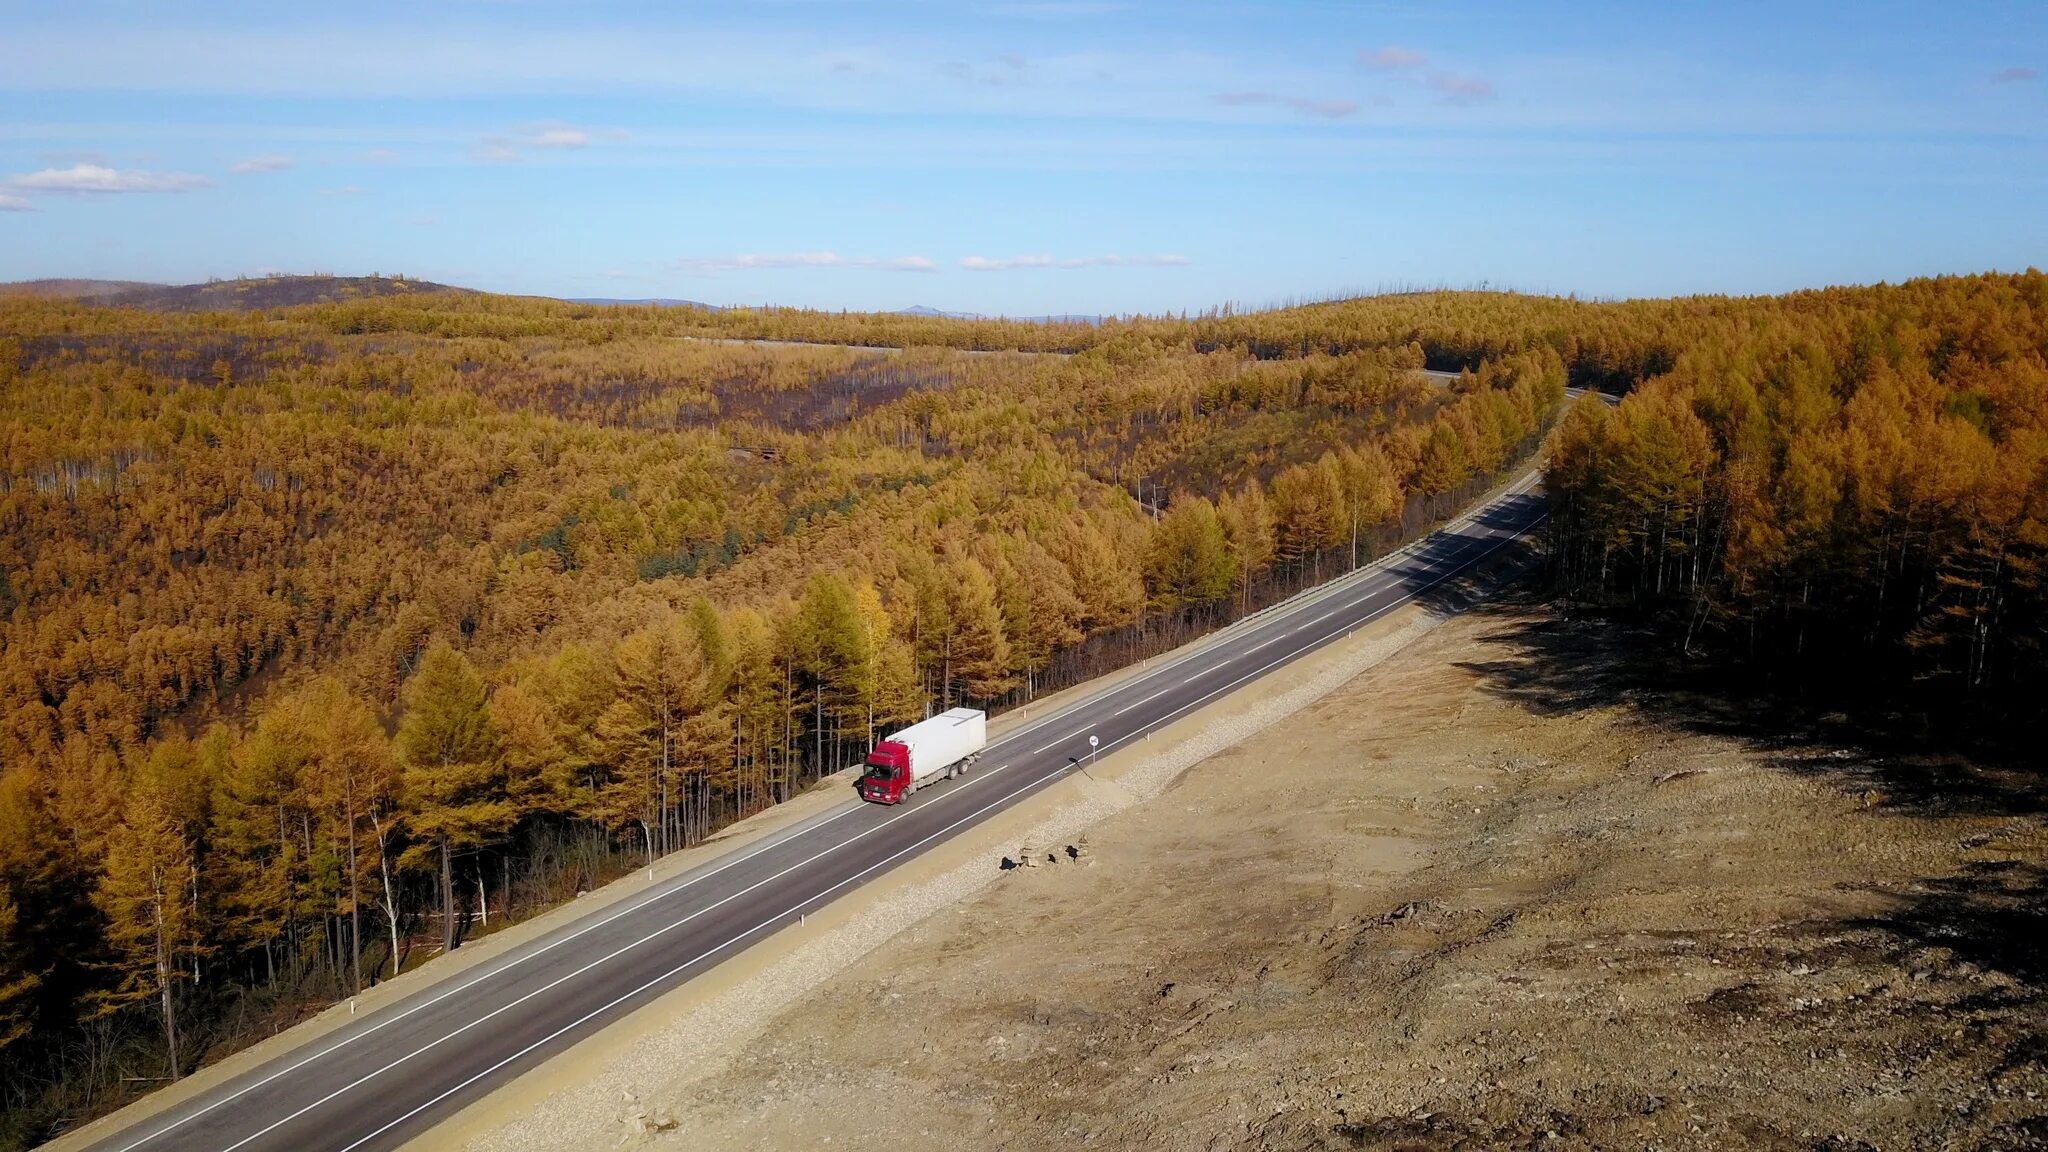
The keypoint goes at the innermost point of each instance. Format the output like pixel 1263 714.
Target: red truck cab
pixel 887 777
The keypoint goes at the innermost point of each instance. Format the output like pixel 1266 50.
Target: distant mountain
pixel 252 293
pixel 656 301
pixel 75 289
pixel 241 295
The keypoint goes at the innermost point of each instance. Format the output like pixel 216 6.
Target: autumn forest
pixel 338 634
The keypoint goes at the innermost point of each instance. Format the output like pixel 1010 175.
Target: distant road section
pixel 392 1074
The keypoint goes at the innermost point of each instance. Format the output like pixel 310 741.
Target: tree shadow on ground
pixel 1554 661
pixel 1992 911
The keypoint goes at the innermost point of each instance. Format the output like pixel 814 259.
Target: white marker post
pixel 1092 742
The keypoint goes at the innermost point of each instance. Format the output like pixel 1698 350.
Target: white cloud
pixel 496 152
pixel 1391 59
pixel 95 179
pixel 10 203
pixel 751 261
pixel 379 156
pixel 346 190
pixel 1013 263
pixel 261 164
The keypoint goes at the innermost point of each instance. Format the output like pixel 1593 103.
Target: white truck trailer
pixel 936 749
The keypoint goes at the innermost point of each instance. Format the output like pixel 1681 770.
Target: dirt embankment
pixel 1497 892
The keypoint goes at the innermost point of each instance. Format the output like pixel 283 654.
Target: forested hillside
pixel 330 635
pixel 1845 491
pixel 244 293
pixel 333 634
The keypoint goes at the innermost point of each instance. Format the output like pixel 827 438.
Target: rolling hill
pixel 246 294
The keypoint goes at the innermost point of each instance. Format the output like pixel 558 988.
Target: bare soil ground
pixel 1511 888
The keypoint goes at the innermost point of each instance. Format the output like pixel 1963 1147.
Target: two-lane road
pixel 392 1074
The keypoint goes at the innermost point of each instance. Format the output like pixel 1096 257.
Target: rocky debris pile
pixel 1028 857
pixel 640 1120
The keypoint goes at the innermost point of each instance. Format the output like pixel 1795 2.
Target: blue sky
pixel 1025 156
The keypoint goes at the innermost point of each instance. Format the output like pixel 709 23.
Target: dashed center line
pixel 1141 703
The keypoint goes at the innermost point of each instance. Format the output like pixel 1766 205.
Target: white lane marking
pixel 620 951
pixel 1141 703
pixel 492 973
pixel 1054 744
pixel 671 973
pixel 766 847
pixel 1426 567
pixel 1211 668
pixel 1301 601
pixel 1376 614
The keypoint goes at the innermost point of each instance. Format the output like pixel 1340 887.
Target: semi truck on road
pixel 936 749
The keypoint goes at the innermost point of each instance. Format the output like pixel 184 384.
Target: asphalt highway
pixel 390 1075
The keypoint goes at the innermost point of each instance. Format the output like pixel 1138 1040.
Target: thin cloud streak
pixel 261 164
pixel 1015 263
pixel 1458 89
pixel 754 261
pixel 548 136
pixel 12 203
pixel 1057 9
pixel 1453 87
pixel 2018 75
pixel 1324 109
pixel 557 137
pixel 1391 59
